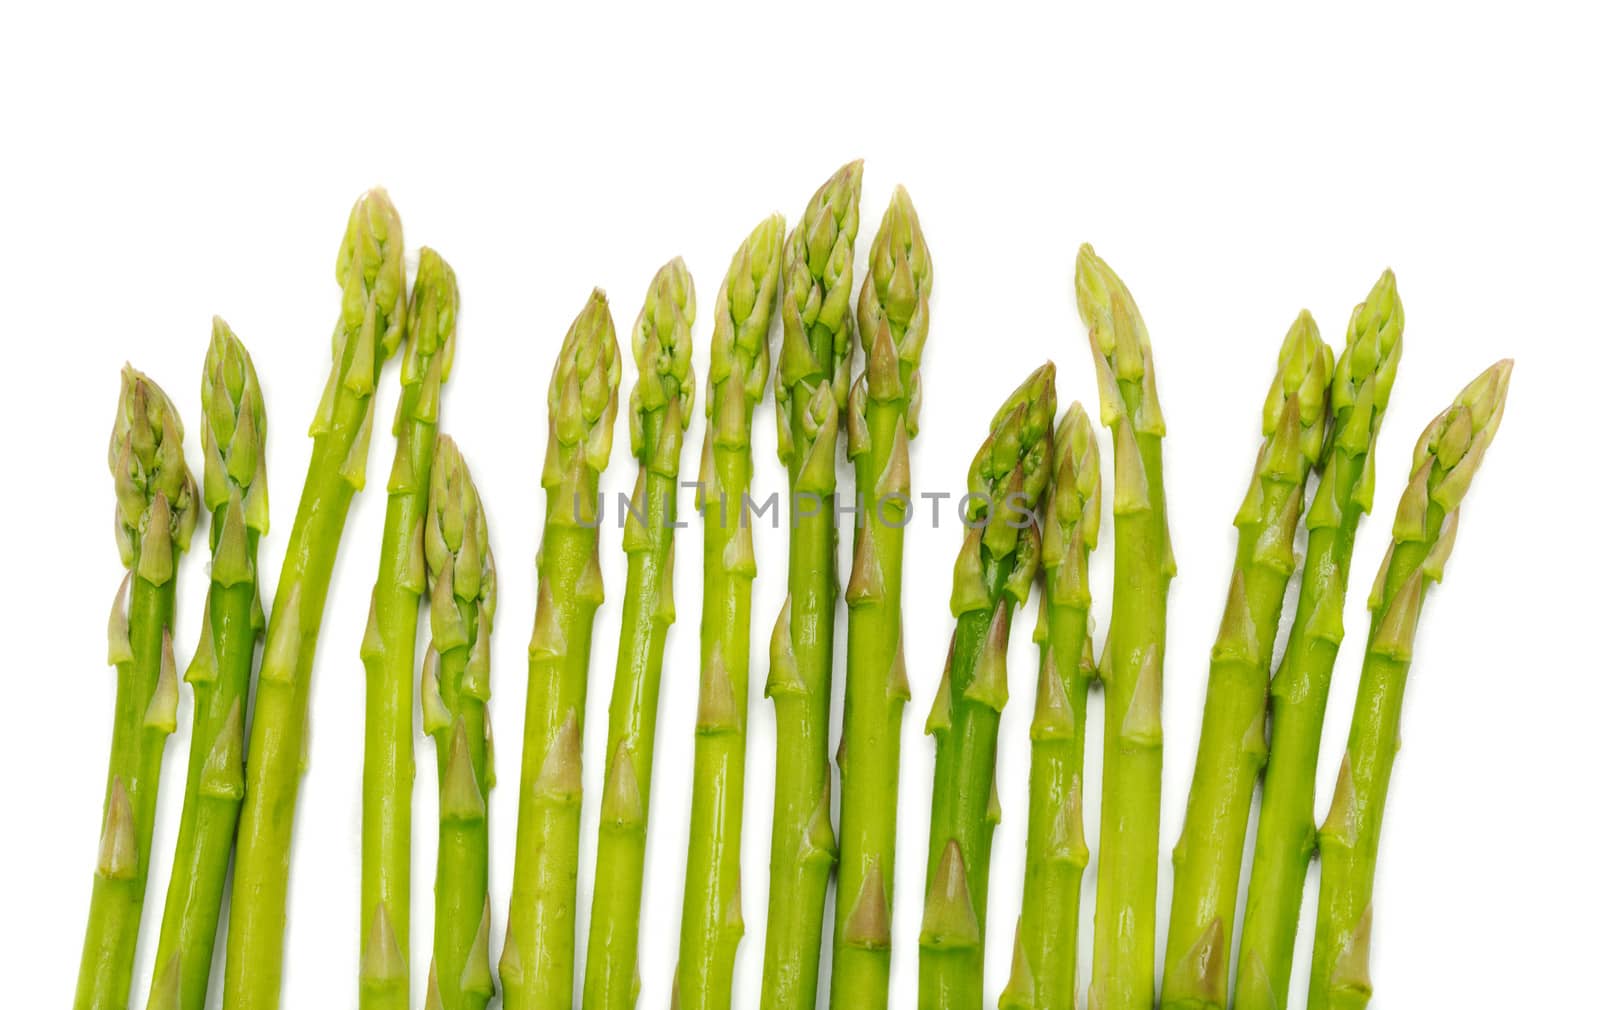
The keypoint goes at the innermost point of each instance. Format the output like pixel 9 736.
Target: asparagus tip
pixel 233 427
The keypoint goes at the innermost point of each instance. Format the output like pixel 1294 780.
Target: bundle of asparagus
pixel 1034 513
pixel 1285 836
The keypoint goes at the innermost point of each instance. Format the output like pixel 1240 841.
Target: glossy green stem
pixel 801 868
pixel 259 909
pixel 1344 904
pixel 389 766
pixel 951 977
pixel 713 920
pixel 1232 752
pixel 874 709
pixel 1286 835
pixel 105 973
pixel 610 978
pixel 544 895
pixel 1130 812
pixel 461 874
pixel 210 815
pixel 1047 932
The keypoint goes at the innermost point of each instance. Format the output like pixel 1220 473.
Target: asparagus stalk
pixel 1123 976
pixel 389 649
pixel 1286 835
pixel 1233 742
pixel 455 694
pixel 536 964
pixel 892 313
pixel 1442 467
pixel 659 412
pixel 233 432
pixel 1044 972
pixel 155 518
pixel 713 921
pixel 997 563
pixel 813 377
pixel 371 272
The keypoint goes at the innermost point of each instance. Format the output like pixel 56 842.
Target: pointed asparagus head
pixel 1443 464
pixel 813 371
pixel 1005 482
pixel 1452 447
pixel 818 268
pixel 1358 396
pixel 156 494
pixel 662 351
pixel 583 397
pixel 893 306
pixel 740 321
pixel 1121 344
pixel 430 339
pixel 1071 525
pixel 461 572
pixel 371 271
pixel 233 433
pixel 1365 372
pixel 1295 416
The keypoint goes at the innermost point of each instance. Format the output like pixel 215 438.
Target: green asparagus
pixel 389 649
pixel 156 510
pixel 233 434
pixel 1442 467
pixel 892 314
pixel 1233 741
pixel 659 412
pixel 1123 976
pixel 1044 971
pixel 812 380
pixel 455 693
pixel 713 921
pixel 371 272
pixel 536 964
pixel 1286 835
pixel 993 572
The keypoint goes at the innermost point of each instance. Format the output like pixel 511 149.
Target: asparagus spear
pixel 371 272
pixel 155 518
pixel 389 650
pixel 659 412
pixel 233 432
pixel 1446 457
pixel 536 964
pixel 813 377
pixel 1123 976
pixel 455 693
pixel 1233 743
pixel 998 560
pixel 1286 835
pixel 713 921
pixel 892 312
pixel 1044 974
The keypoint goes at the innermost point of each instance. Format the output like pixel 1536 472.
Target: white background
pixel 1233 167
